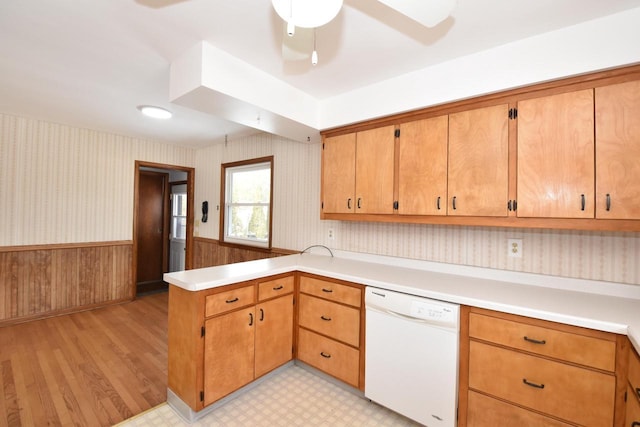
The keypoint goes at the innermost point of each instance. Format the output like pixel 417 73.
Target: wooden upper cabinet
pixel 618 151
pixel 375 154
pixel 339 174
pixel 479 162
pixel 422 171
pixel 555 177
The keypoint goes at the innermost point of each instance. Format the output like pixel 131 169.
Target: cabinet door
pixel 556 156
pixel 479 162
pixel 339 174
pixel 422 170
pixel 618 151
pixel 374 170
pixel 228 353
pixel 274 334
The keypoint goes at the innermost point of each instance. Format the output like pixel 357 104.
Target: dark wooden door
pixel 150 226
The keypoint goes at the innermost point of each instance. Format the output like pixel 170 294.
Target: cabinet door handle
pixel 453 203
pixel 608 202
pixel 277 288
pixel 583 202
pixel 349 203
pixel 325 355
pixel 534 341
pixel 323 317
pixel 438 203
pixel 261 314
pixel 327 290
pixel 635 424
pixel 509 208
pixel 530 384
pixel 231 301
pixel 359 200
pixel 250 319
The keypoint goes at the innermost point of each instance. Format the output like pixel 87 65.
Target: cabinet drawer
pixel 484 411
pixel 633 410
pixel 229 300
pixel 328 318
pixel 634 371
pixel 334 358
pixel 275 287
pixel 574 394
pixel 580 349
pixel 332 291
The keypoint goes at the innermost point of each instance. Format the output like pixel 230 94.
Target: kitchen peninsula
pixel 608 309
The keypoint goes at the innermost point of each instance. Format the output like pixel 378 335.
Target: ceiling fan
pixel 310 14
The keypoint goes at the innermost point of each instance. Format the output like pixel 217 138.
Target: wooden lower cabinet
pixel 338 360
pixel 331 328
pixel 485 411
pixel 223 338
pixel 228 353
pixel 633 391
pixel 519 371
pixel 274 334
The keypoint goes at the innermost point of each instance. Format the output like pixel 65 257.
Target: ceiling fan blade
pixel 426 12
pixel 299 46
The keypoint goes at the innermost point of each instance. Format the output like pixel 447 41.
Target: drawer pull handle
pixel 325 355
pixel 231 301
pixel 325 318
pixel 534 341
pixel 277 288
pixel 635 424
pixel 530 384
pixel 327 290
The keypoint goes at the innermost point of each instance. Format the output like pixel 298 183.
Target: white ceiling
pixel 90 63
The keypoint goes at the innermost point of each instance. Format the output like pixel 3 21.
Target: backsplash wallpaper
pixel 61 184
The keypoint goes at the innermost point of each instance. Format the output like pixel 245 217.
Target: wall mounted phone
pixel 205 211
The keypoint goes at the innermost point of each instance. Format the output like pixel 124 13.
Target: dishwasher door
pixel 411 356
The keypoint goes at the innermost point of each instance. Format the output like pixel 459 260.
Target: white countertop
pixel 604 306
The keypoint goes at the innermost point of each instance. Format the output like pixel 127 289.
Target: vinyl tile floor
pixel 291 397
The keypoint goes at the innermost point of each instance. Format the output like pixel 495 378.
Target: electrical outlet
pixel 331 234
pixel 514 248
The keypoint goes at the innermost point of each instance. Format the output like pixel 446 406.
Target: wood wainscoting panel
pixel 42 281
pixel 209 253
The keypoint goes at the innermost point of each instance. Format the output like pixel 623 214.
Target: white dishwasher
pixel 411 356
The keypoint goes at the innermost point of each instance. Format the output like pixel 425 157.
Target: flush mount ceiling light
pixel 155 112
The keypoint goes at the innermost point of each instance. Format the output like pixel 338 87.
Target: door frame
pixel 188 257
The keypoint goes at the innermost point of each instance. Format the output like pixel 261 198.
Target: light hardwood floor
pixel 94 368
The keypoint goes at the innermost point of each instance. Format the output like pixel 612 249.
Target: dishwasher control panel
pixel 422 309
pixel 425 310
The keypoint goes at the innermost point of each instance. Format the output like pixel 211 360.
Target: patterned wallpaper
pixel 61 184
pixel 578 254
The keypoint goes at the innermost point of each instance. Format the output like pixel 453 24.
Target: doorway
pixel 163 224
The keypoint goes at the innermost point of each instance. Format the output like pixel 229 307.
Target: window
pixel 179 216
pixel 246 202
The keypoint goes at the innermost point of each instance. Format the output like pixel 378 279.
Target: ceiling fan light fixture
pixel 307 13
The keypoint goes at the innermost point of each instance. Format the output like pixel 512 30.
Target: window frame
pixel 226 240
